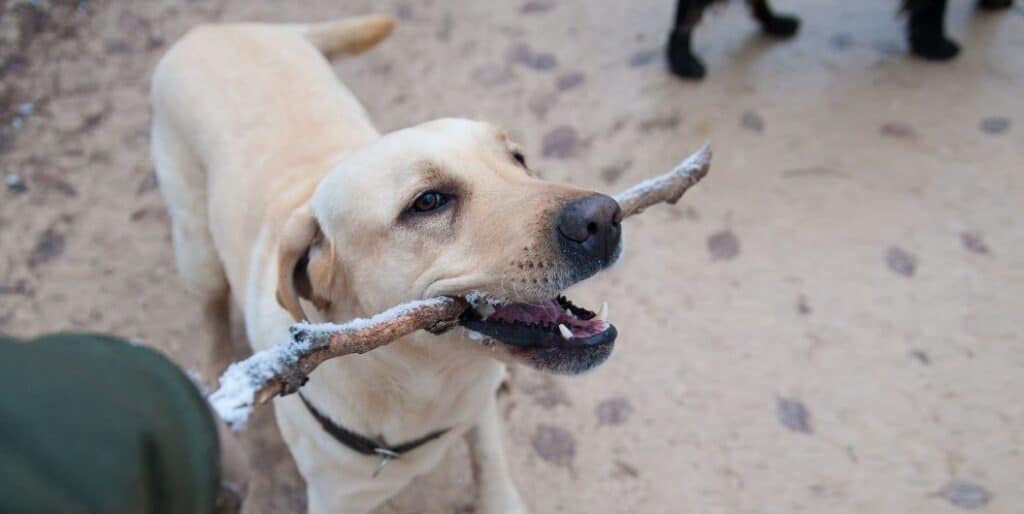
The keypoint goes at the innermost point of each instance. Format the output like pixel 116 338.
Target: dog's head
pixel 451 208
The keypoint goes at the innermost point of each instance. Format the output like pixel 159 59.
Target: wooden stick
pixel 667 188
pixel 283 369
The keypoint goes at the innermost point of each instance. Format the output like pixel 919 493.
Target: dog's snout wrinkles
pixel 592 222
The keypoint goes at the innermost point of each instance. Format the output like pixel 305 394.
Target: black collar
pixel 365 445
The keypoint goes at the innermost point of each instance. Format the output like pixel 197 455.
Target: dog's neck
pixel 419 383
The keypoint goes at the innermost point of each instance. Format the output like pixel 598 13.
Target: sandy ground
pixel 830 323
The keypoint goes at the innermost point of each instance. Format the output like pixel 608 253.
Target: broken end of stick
pixel 699 162
pixel 269 391
pixel 233 409
pixel 703 153
pixel 666 188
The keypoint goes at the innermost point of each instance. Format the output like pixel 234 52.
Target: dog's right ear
pixel 305 261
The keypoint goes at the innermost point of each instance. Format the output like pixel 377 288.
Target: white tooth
pixel 475 336
pixel 486 310
pixel 603 315
pixel 566 333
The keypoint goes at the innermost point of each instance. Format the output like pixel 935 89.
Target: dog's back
pixel 246 120
pixel 257 83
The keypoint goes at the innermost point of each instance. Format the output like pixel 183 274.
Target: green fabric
pixel 92 424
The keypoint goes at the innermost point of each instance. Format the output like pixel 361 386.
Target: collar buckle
pixel 386 456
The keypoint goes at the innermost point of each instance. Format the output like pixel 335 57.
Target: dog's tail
pixel 348 36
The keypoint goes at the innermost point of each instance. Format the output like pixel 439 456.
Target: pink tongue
pixel 548 313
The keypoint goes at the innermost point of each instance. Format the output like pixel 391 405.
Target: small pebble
pixel 26 109
pixel 16 184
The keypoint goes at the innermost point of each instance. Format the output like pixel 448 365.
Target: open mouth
pixel 552 323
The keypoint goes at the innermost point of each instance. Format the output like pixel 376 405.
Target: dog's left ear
pixel 306 262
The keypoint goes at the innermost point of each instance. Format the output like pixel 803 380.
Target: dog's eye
pixel 520 158
pixel 429 201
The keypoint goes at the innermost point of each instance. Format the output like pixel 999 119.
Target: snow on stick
pixel 283 369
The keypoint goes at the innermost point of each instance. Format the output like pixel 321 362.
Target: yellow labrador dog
pixel 283 195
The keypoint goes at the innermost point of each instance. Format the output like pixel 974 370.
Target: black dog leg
pixel 925 30
pixel 995 5
pixel 681 59
pixel 780 25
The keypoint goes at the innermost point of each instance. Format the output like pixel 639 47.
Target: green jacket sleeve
pixel 92 424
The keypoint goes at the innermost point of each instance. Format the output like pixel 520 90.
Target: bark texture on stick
pixel 283 369
pixel 668 187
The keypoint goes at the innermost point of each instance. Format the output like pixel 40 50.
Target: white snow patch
pixel 240 382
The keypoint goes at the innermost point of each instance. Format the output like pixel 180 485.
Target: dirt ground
pixel 830 323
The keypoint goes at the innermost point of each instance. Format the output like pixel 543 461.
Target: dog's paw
pixel 934 49
pixel 683 63
pixel 995 5
pixel 781 25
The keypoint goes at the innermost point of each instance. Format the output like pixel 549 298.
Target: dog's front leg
pixel 495 491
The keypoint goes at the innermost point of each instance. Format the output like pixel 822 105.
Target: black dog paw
pixel 781 25
pixel 995 5
pixel 681 60
pixel 934 48
pixel 684 64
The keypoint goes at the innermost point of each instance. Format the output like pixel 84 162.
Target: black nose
pixel 591 224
